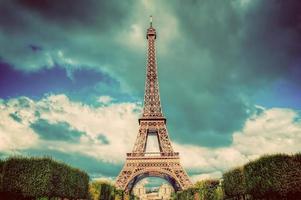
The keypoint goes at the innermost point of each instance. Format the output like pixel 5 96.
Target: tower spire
pixel 152 104
pixel 151 21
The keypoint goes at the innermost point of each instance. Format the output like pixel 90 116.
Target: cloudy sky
pixel 72 80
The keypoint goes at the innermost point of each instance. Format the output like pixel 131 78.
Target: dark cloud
pixel 81 84
pixel 103 139
pixel 35 48
pixel 60 11
pixel 70 13
pixel 235 50
pixel 15 117
pixel 219 57
pixel 248 44
pixel 60 131
pixel 11 19
pixel 84 30
pixel 272 37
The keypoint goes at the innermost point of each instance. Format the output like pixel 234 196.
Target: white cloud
pixel 271 131
pixel 135 37
pixel 275 130
pixel 241 4
pixel 116 122
pixel 15 135
pixel 163 21
pixel 105 99
pixel 244 2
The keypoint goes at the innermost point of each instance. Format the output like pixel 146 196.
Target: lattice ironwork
pixel 152 104
pixel 166 163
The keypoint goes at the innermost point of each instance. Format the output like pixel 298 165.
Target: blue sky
pixel 72 80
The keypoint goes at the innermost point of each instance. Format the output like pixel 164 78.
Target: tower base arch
pixel 138 167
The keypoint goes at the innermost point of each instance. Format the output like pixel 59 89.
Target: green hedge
pixel 1 173
pixel 43 177
pixel 203 190
pixel 209 189
pixel 270 177
pixel 295 176
pixel 107 192
pixel 103 190
pixel 234 183
pixel 273 176
pixel 187 194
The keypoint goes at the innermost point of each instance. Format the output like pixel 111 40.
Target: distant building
pixel 163 192
pixel 140 191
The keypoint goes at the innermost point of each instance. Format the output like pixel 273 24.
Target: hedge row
pixel 1 174
pixel 102 190
pixel 202 190
pixel 234 183
pixel 32 178
pixel 270 177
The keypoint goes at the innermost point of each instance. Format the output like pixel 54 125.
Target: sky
pixel 72 78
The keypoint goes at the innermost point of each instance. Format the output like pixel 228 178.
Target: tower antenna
pixel 151 21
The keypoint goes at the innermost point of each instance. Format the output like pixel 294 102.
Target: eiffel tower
pixel 165 163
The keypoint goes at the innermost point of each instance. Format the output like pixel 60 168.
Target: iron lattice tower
pixel 166 163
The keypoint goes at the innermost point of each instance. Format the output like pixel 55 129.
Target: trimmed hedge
pixel 295 176
pixel 270 177
pixel 273 176
pixel 1 173
pixel 234 183
pixel 43 177
pixel 69 182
